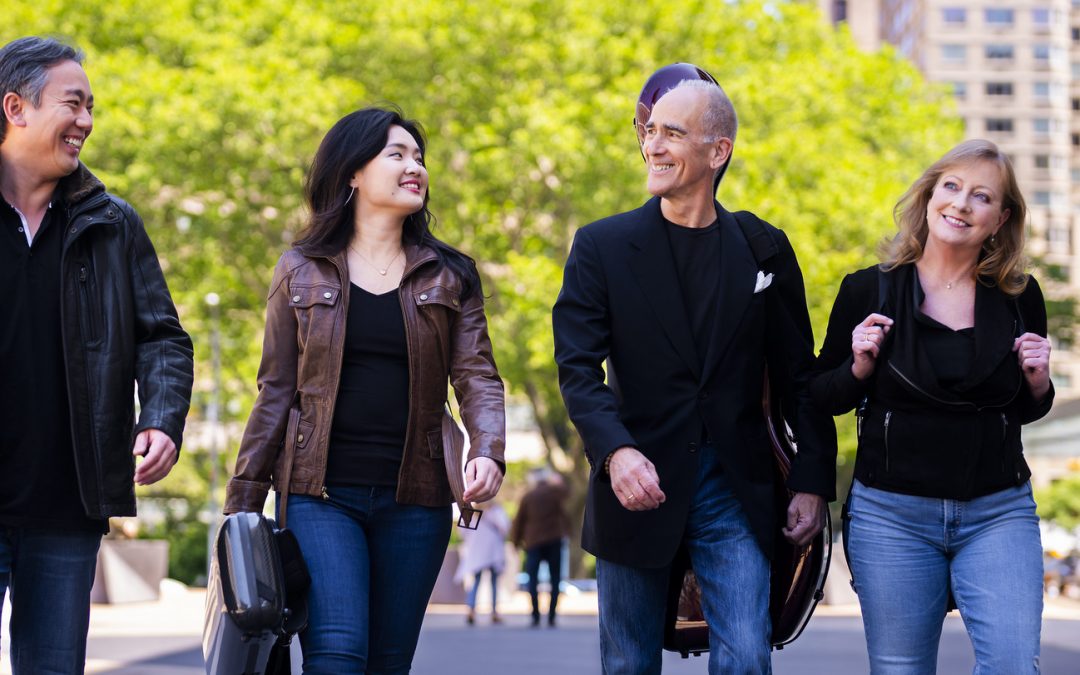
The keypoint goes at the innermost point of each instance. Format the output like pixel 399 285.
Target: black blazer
pixel 621 302
pixel 918 437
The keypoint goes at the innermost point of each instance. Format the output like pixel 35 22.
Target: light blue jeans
pixel 373 565
pixel 906 552
pixel 734 578
pixel 493 576
pixel 49 574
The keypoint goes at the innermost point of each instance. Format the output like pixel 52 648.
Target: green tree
pixel 209 112
pixel 1060 502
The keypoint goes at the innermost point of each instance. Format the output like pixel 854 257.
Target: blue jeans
pixel 906 552
pixel 550 553
pixel 50 574
pixel 373 565
pixel 734 578
pixel 470 597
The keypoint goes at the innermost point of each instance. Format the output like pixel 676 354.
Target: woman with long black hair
pixel 368 317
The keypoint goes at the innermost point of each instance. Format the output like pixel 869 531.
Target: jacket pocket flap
pixel 438 295
pixel 304 431
pixel 309 296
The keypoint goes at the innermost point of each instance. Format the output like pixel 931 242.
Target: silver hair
pixel 24 68
pixel 719 120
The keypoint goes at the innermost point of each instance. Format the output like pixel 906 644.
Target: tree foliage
pixel 209 112
pixel 1060 502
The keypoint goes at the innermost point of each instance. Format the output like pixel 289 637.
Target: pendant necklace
pixel 381 270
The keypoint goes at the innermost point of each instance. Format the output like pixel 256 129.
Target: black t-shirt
pixel 367 437
pixel 38 484
pixel 951 352
pixel 696 251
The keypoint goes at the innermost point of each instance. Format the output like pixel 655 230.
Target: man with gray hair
pixel 85 314
pixel 672 297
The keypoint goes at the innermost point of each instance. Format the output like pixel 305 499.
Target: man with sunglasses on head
pixel 671 297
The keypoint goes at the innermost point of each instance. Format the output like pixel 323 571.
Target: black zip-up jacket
pixel 917 437
pixel 119 327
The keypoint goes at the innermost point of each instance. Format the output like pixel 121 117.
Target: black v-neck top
pixel 367 437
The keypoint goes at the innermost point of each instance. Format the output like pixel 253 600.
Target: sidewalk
pixel 174 624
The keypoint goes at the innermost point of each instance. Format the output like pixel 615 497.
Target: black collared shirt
pixel 38 486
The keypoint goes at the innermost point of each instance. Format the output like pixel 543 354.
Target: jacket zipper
pixel 86 316
pixel 95 459
pixel 412 368
pixel 888 418
pixel 908 382
pixel 343 302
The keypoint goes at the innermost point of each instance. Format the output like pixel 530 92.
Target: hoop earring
pixel 349 198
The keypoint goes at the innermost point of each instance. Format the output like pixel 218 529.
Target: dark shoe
pixel 470 617
pixel 551 621
pixel 495 618
pixel 535 623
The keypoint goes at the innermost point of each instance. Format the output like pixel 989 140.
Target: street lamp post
pixel 213 419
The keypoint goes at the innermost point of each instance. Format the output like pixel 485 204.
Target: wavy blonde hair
pixel 1001 261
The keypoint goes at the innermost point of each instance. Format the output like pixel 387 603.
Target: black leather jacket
pixel 119 326
pixel 917 437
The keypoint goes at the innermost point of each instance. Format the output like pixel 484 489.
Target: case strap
pixel 453 448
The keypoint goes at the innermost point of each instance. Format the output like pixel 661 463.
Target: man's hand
pixel 159 454
pixel 805 518
pixel 634 480
pixel 482 479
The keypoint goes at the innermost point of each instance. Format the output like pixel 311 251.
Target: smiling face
pixel 395 180
pixel 965 208
pixel 681 161
pixel 47 139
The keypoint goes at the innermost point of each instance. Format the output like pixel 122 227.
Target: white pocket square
pixel 763 281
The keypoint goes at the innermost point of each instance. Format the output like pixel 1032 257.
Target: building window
pixel 959 90
pixel 1040 198
pixel 839 10
pixel 1001 53
pixel 1076 34
pixel 999 89
pixel 999 17
pixel 1075 174
pixel 1076 140
pixel 1075 68
pixel 999 124
pixel 1042 161
pixel 953 53
pixel 1040 17
pixel 1040 125
pixel 1076 104
pixel 1041 52
pixel 1058 235
pixel 1040 89
pixel 954 15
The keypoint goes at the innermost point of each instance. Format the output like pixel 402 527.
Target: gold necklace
pixel 949 284
pixel 381 270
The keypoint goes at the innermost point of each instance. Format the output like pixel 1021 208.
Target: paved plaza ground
pixel 163 638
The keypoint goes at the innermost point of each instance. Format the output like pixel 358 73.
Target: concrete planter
pixel 130 570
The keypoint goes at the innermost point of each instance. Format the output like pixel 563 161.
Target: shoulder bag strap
pixel 289 448
pixel 453 447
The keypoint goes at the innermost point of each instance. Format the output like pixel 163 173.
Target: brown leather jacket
pixel 301 367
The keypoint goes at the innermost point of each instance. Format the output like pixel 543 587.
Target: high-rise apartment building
pixel 1014 70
